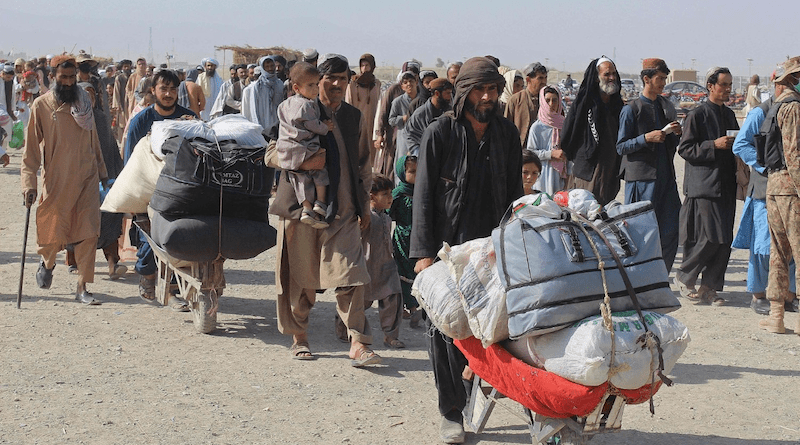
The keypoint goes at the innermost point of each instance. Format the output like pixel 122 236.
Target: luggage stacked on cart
pixel 207 187
pixel 540 278
pixel 212 196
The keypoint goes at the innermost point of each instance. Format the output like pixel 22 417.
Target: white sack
pixel 437 294
pixel 582 352
pixel 135 184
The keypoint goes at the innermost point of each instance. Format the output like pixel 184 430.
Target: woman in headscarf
pixel 402 198
pixel 544 140
pixel 514 84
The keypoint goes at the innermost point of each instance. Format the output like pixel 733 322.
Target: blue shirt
pixel 627 139
pixel 142 122
pixel 743 144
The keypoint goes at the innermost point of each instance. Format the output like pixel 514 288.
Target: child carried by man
pixel 298 140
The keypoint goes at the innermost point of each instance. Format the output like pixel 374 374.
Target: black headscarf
pixel 579 129
pixel 475 71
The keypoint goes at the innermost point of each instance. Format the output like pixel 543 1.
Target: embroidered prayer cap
pixel 310 54
pixel 8 69
pixel 790 66
pixel 654 64
pixel 58 60
pixel 330 57
pixel 531 69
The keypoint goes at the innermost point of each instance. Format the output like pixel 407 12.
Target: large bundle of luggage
pixel 536 287
pixel 205 186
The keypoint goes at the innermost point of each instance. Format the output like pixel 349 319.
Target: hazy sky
pixel 568 33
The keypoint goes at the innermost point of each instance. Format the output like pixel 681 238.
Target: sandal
pixel 394 343
pixel 685 290
pixel 364 357
pixel 119 272
pixel 300 351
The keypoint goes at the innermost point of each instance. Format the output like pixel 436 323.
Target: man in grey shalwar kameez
pixel 310 259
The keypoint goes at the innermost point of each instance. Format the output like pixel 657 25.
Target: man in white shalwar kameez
pixel 211 83
pixel 261 98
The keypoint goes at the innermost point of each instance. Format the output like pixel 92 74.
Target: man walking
pixel 310 259
pixel 469 171
pixel 61 140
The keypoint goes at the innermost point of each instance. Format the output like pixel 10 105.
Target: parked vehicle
pixel 685 95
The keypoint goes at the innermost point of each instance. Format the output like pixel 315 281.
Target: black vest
pixel 757 187
pixel 641 165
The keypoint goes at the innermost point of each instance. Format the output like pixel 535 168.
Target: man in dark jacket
pixel 709 184
pixel 469 172
pixel 647 150
pixel 589 136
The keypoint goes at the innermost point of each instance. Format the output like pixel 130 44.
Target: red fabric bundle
pixel 540 391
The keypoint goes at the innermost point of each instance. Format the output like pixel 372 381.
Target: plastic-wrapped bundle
pixel 581 353
pixel 474 269
pixel 438 295
pixel 231 127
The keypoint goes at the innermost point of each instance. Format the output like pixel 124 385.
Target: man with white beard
pixel 589 136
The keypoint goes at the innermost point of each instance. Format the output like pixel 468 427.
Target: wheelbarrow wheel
pixel 567 436
pixel 203 322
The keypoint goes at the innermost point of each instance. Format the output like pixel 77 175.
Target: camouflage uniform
pixel 783 203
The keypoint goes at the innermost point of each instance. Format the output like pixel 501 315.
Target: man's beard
pixel 66 94
pixel 164 107
pixel 609 88
pixel 127 72
pixel 211 72
pixel 481 116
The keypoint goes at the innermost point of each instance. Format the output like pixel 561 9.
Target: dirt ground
pixel 130 373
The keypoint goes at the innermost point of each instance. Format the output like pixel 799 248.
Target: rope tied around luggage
pixel 605 306
pixel 649 339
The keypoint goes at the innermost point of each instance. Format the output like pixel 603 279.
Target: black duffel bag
pixel 197 237
pixel 196 170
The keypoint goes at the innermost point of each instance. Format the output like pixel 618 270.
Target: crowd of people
pixel 441 159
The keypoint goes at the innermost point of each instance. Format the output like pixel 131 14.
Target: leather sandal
pixel 87 298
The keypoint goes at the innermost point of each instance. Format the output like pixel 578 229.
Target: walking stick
pixel 28 204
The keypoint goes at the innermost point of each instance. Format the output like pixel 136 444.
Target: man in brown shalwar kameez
pixel 364 93
pixel 310 259
pixel 61 139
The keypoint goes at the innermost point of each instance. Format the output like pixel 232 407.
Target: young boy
pixel 403 194
pixel 531 170
pixel 384 284
pixel 298 140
